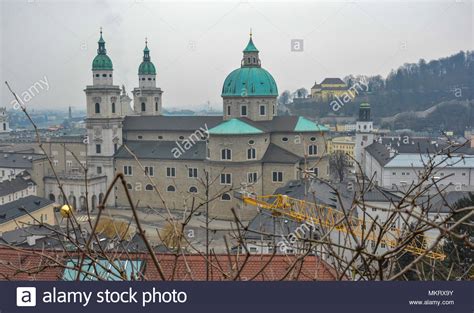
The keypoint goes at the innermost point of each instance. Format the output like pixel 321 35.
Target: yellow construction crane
pixel 325 216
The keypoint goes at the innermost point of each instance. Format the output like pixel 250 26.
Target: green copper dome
pixel 146 67
pixel 101 61
pixel 249 81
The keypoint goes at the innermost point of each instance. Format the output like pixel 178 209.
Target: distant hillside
pixel 419 86
pixel 452 115
pixel 415 87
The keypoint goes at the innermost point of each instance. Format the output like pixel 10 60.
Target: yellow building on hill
pixel 328 89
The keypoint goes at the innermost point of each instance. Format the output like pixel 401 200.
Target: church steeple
pixel 250 57
pixel 146 52
pixel 101 42
pixel 146 67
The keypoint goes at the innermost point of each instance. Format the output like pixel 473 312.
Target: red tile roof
pixel 47 265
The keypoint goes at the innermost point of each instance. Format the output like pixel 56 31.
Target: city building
pixel 16 188
pixel 343 144
pixel 12 164
pixel 26 211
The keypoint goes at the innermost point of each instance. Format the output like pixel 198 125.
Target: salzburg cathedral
pixel 190 159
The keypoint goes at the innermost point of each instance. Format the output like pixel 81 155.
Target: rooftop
pixel 32 265
pixel 21 207
pixel 19 183
pixel 147 149
pixel 18 160
pixel 234 126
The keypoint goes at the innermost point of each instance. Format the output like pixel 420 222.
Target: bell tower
pixel 104 116
pixel 147 97
pixel 364 133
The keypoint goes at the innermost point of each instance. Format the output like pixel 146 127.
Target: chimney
pixel 31 240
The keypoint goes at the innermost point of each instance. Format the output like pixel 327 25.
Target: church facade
pixel 185 161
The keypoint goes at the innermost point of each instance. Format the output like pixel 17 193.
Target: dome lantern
pixel 250 57
pixel 146 67
pixel 102 61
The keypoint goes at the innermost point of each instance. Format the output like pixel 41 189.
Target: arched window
pixel 149 187
pixel 156 106
pixel 193 189
pixel 228 110
pixel 312 150
pixel 143 107
pixel 171 188
pixel 225 197
pixel 113 107
pixel 226 154
pixel 262 110
pixel 97 108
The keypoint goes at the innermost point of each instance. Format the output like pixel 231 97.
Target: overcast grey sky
pixel 194 45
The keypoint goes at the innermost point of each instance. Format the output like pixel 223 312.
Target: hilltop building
pixel 329 89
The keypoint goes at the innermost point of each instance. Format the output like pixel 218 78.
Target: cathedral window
pixel 192 172
pixel 313 150
pixel 226 179
pixel 193 189
pixel 97 108
pixel 225 197
pixel 156 106
pixel 104 75
pixel 98 149
pixel 149 170
pixel 171 172
pixel 243 110
pixel 143 107
pixel 262 110
pixel 171 188
pixel 127 170
pixel 277 177
pixel 226 154
pixel 113 107
pixel 228 110
pixel 251 154
pixel 149 187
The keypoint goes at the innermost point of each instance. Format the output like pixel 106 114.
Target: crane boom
pixel 326 216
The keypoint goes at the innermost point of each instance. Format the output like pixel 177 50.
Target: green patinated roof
pixel 102 62
pixel 250 47
pixel 234 127
pixel 305 125
pixel 249 81
pixel 147 68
